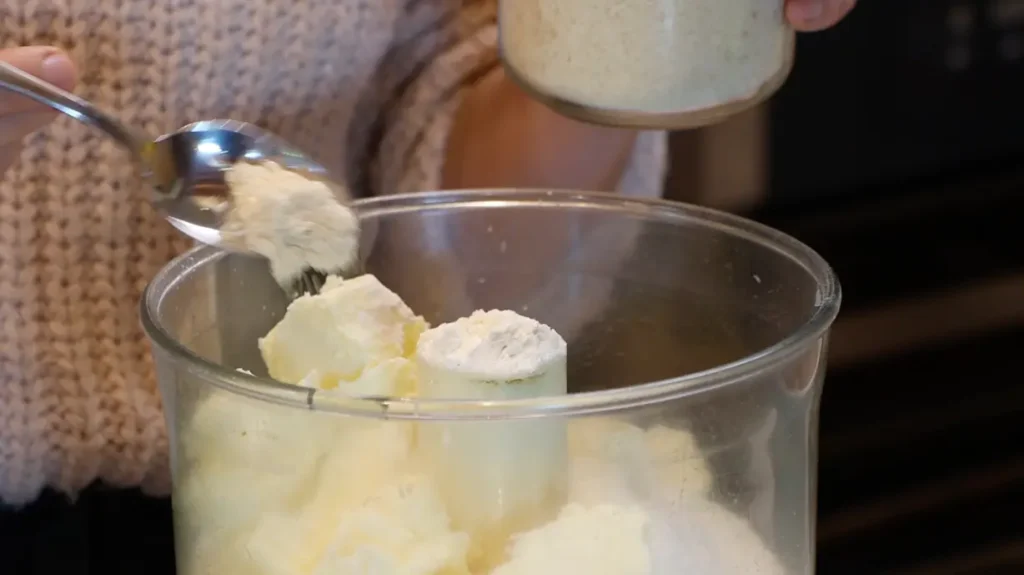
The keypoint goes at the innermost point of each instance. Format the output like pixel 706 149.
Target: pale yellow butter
pixel 351 327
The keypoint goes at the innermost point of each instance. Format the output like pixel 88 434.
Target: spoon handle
pixel 45 93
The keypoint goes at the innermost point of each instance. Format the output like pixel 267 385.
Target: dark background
pixel 896 150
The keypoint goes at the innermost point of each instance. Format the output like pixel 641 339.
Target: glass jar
pixel 687 443
pixel 659 64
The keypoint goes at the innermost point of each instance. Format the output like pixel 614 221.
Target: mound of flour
pixel 294 222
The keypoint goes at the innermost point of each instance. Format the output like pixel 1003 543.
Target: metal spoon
pixel 186 167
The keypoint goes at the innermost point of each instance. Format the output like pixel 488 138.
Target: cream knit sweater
pixel 368 86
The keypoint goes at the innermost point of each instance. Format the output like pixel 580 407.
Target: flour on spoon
pixel 293 221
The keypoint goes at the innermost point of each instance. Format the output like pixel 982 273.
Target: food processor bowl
pixel 697 344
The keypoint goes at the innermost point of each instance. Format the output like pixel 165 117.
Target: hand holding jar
pixel 814 15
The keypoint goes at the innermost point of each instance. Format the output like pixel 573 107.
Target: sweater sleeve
pixel 440 49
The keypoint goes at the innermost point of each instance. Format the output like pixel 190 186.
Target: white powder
pixel 598 540
pixel 703 537
pixel 657 56
pixel 293 221
pixel 496 344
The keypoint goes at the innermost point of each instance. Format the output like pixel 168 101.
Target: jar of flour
pixel 647 63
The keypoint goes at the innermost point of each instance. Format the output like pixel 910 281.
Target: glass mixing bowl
pixel 697 347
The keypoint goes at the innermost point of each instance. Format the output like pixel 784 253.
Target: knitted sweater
pixel 369 87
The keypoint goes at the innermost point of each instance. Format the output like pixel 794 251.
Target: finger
pixel 814 15
pixel 13 130
pixel 8 154
pixel 15 127
pixel 44 62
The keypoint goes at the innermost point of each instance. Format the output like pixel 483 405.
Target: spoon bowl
pixel 187 169
pixel 184 168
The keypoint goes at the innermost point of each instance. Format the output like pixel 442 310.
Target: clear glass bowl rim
pixel 734 373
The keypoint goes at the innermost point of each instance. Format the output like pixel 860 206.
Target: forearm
pixel 501 137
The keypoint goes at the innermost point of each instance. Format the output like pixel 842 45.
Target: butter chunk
pixel 217 497
pixel 239 458
pixel 680 470
pixel 400 528
pixel 351 326
pixel 260 438
pixel 403 529
pixel 394 377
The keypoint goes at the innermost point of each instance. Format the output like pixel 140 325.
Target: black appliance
pixel 901 91
pixel 897 151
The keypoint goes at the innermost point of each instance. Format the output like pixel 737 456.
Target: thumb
pixel 812 15
pixel 20 116
pixel 44 62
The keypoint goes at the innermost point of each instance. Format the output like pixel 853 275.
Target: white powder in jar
pixel 293 221
pixel 655 56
